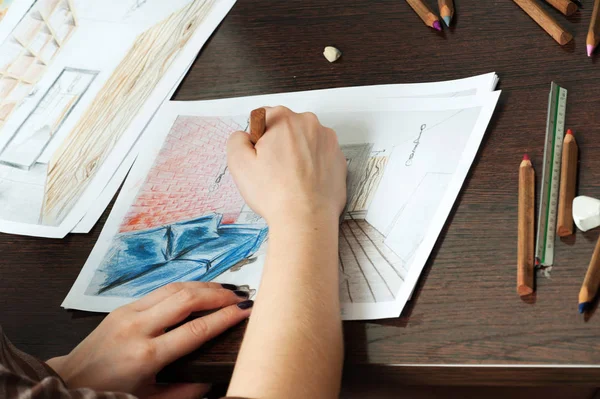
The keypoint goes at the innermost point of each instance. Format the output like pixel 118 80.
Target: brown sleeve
pixel 24 376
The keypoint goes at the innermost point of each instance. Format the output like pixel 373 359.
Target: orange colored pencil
pixel 545 21
pixel 526 234
pixel 425 13
pixel 568 180
pixel 567 7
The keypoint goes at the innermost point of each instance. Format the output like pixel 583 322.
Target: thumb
pixel 240 152
pixel 179 391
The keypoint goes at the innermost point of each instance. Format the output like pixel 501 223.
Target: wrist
pixel 298 222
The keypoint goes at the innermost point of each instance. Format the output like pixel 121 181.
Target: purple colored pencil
pixel 425 13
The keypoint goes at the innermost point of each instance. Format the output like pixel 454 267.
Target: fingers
pixel 175 308
pixel 161 293
pixel 240 150
pixel 191 335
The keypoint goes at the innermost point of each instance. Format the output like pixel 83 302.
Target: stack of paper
pixel 179 216
pixel 79 82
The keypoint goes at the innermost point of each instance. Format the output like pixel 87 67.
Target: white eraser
pixel 331 53
pixel 586 212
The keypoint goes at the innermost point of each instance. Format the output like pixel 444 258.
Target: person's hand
pixel 295 172
pixel 130 346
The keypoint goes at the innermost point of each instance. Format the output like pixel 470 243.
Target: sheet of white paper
pixel 389 125
pixel 455 88
pixel 121 38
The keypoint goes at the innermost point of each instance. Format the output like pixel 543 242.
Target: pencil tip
pixel 447 20
pixel 569 131
pixel 525 157
pixel 437 25
pixel 590 50
pixel 584 307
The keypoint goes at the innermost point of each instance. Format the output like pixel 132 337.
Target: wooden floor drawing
pixel 76 162
pixel 31 47
pixel 31 138
pixel 369 270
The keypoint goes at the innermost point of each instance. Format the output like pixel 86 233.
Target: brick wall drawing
pixel 189 177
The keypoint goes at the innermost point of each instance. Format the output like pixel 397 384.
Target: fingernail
pixel 231 287
pixel 246 304
pixel 241 294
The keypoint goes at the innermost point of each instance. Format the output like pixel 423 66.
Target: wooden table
pixel 465 310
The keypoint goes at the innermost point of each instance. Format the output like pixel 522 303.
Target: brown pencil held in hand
pixel 545 21
pixel 525 251
pixel 567 7
pixel 568 181
pixel 257 124
pixel 589 289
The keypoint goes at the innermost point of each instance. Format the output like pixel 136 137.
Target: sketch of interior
pixel 27 52
pixel 369 270
pixel 32 137
pixel 186 223
pixel 74 166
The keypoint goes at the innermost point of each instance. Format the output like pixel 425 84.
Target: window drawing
pixel 31 47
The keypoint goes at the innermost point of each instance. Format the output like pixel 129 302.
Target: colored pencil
pixel 257 124
pixel 567 7
pixel 545 21
pixel 568 180
pixel 593 36
pixel 589 289
pixel 446 10
pixel 425 13
pixel 526 234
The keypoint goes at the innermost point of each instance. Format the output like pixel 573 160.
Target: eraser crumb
pixel 332 54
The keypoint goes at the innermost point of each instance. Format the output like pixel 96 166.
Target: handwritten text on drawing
pixel 409 161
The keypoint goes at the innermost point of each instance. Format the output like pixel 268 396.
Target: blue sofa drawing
pixel 195 250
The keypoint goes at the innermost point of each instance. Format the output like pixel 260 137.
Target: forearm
pixel 293 344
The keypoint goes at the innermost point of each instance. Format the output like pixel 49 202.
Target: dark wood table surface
pixel 465 310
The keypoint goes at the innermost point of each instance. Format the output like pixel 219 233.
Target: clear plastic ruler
pixel 555 132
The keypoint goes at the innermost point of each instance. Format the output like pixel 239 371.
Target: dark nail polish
pixel 246 304
pixel 231 287
pixel 241 294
